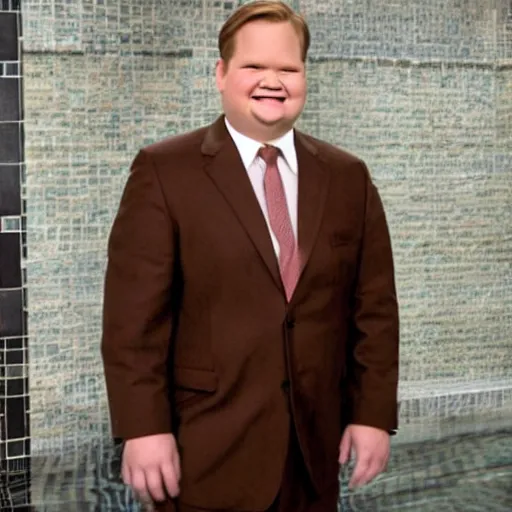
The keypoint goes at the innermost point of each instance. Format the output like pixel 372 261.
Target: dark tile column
pixel 14 400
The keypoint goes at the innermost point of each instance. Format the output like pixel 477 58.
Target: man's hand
pixel 151 466
pixel 371 446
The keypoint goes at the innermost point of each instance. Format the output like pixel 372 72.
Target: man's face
pixel 263 86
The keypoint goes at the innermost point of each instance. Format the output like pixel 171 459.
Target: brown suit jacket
pixel 199 339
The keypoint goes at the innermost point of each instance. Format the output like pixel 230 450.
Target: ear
pixel 220 74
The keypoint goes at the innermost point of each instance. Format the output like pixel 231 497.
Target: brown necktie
pixel 279 219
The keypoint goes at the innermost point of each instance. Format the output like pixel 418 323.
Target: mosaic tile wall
pixel 421 90
pixel 14 400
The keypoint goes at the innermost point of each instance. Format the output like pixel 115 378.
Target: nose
pixel 271 80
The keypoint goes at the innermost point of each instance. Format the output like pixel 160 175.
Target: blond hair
pixel 266 10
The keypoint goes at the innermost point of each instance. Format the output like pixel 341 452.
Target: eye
pixel 252 66
pixel 289 70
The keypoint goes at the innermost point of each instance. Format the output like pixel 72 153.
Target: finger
pixel 154 484
pixel 139 486
pixel 345 448
pixel 170 479
pixel 126 474
pixel 359 473
pixel 373 469
pixel 177 464
pixel 382 465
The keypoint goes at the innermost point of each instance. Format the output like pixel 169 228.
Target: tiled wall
pixel 14 402
pixel 421 90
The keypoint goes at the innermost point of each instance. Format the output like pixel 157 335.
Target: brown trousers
pixel 296 493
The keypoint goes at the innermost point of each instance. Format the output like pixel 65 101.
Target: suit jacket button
pixel 285 385
pixel 290 323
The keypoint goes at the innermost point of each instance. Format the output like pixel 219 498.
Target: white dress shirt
pixel 255 166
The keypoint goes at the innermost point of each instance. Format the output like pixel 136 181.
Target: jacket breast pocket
pixel 192 384
pixel 344 248
pixel 340 239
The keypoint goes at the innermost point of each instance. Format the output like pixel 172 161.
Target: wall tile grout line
pixel 14 385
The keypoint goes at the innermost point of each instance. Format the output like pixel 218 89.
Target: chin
pixel 271 120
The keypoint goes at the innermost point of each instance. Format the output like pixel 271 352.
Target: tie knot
pixel 269 154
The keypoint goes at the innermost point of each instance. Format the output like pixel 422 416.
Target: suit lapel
pixel 313 188
pixel 225 168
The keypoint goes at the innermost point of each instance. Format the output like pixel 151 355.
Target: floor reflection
pixel 464 473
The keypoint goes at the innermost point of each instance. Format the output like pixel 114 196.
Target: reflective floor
pixel 464 473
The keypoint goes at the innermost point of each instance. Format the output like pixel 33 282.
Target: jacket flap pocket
pixel 193 378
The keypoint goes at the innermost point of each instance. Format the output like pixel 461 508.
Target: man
pixel 250 319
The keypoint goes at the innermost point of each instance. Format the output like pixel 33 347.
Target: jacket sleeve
pixel 136 309
pixel 372 369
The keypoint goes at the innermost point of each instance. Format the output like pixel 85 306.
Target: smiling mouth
pixel 275 98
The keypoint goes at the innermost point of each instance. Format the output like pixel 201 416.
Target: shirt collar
pixel 248 148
